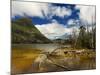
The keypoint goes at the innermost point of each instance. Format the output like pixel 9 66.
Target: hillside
pixel 23 31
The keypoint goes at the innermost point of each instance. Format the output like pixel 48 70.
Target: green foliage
pixel 23 31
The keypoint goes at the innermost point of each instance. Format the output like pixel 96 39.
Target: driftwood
pixel 47 54
pixel 58 65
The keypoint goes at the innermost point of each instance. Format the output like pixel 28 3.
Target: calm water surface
pixel 44 47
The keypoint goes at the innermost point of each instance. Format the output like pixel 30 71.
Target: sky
pixel 52 19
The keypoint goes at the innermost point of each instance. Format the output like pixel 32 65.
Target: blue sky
pixel 52 19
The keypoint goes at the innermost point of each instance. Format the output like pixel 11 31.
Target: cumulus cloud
pixel 28 8
pixel 54 29
pixel 71 22
pixel 61 11
pixel 87 13
pixel 38 9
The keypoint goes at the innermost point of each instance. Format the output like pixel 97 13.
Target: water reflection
pixel 34 62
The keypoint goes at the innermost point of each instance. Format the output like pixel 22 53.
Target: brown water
pixel 31 62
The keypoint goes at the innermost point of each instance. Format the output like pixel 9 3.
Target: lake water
pixel 42 63
pixel 44 47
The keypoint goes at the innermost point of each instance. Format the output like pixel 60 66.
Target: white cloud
pixel 37 9
pixel 87 13
pixel 61 11
pixel 54 29
pixel 28 8
pixel 71 22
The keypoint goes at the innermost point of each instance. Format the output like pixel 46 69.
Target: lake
pixel 43 47
pixel 26 58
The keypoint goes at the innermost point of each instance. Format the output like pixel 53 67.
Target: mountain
pixel 23 31
pixel 62 37
pixel 65 36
